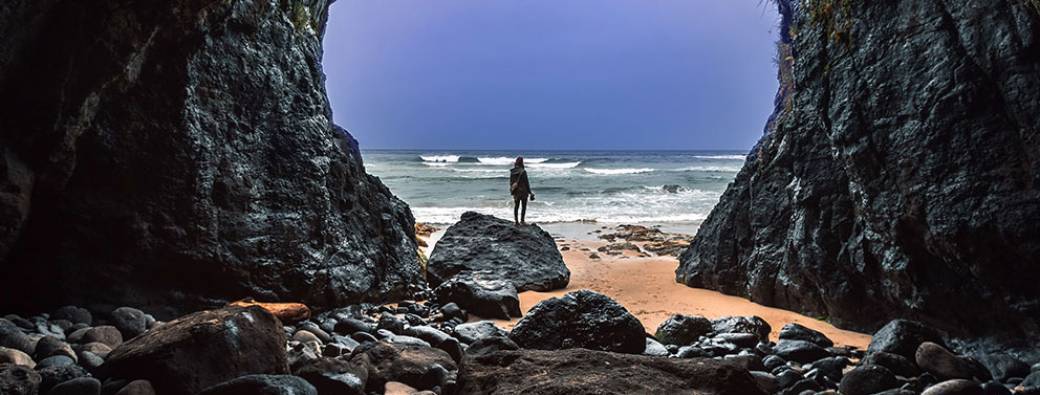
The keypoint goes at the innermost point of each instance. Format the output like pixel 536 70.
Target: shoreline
pixel 646 286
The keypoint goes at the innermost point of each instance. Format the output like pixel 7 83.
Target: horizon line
pixel 746 150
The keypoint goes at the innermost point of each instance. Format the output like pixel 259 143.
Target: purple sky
pixel 552 74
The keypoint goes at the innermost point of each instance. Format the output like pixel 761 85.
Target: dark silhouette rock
pixel 896 177
pixel 421 367
pixel 54 375
pixel 580 319
pixel 482 293
pixel 898 364
pixel 130 321
pixel 1005 366
pixel 799 351
pixel 866 380
pixel 335 376
pixel 262 384
pixel 526 255
pixel 13 337
pixel 203 349
pixel 753 325
pixel 473 331
pixel 581 371
pixel 77 386
pixel 682 329
pixel 137 387
pixel 954 387
pixel 945 365
pixel 194 163
pixel 795 331
pixel 903 337
pixel 75 315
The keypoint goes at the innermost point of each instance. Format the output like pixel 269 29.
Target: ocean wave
pixel 440 158
pixel 450 215
pixel 723 157
pixel 618 171
pixel 507 161
pixel 717 169
pixel 437 164
pixel 561 165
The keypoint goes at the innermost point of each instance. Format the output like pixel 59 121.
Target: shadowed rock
pixel 580 319
pixel 199 350
pixel 524 254
pixel 581 371
pixel 483 293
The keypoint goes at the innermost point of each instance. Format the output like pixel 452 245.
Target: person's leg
pixel 523 209
pixel 516 208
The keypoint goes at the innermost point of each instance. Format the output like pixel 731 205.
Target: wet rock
pixel 106 334
pixel 902 337
pixel 54 375
pixel 349 326
pixel 90 360
pixel 50 346
pixel 13 337
pixel 896 363
pixel 771 362
pixel 203 349
pixel 765 382
pixel 482 293
pixel 18 380
pixel 438 339
pixel 335 376
pixel 655 348
pixel 754 325
pixel 955 387
pixel 74 314
pixel 576 371
pixel 525 255
pixel 77 386
pixel 833 368
pixel 866 380
pixel 420 367
pixel 743 340
pixel 262 384
pixel 137 387
pixel 473 331
pixel 795 331
pixel 490 344
pixel 799 350
pixel 580 319
pixel 942 363
pixel 1005 366
pixel 682 329
pixel 55 361
pixel 10 355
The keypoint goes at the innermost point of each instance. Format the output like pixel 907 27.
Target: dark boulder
pixel 902 337
pixel 682 329
pixel 164 193
pixel 13 337
pixel 18 380
pixel 897 174
pixel 130 321
pixel 262 384
pixel 50 346
pixel 799 351
pixel 74 314
pixel 491 344
pixel 77 386
pixel 136 387
pixel 866 380
pixel 526 255
pixel 421 367
pixel 580 319
pixel 795 331
pixel 54 375
pixel 955 387
pixel 203 349
pixel 483 293
pixel 945 365
pixel 473 331
pixel 1005 366
pixel 581 371
pixel 335 376
pixel 898 364
pixel 754 325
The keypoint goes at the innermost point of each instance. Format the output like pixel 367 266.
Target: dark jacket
pixel 518 185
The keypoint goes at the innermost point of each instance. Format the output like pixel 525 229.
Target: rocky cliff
pixel 899 176
pixel 182 153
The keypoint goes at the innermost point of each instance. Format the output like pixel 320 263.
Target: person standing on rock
pixel 520 189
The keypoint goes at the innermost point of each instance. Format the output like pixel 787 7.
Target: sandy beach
pixel 646 287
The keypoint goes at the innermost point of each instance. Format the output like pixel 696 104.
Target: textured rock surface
pixel 178 145
pixel 581 371
pixel 203 349
pixel 899 174
pixel 580 319
pixel 525 255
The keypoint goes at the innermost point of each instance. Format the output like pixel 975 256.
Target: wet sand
pixel 647 288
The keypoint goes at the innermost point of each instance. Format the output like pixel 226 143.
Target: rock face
pixel 197 150
pixel 481 293
pixel 525 254
pixel 203 349
pixel 898 176
pixel 581 371
pixel 580 319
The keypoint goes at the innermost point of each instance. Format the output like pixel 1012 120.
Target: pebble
pixel 17 357
pixel 955 387
pixel 130 321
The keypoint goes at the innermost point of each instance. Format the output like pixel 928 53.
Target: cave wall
pixel 180 154
pixel 899 174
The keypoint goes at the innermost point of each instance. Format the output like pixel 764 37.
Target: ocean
pixel 672 189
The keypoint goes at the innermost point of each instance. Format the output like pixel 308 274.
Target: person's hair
pixel 519 161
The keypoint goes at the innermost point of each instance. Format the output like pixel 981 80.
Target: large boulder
pixel 903 337
pixel 581 371
pixel 421 367
pixel 526 255
pixel 897 176
pixel 262 384
pixel 682 329
pixel 199 350
pixel 942 363
pixel 483 293
pixel 580 319
pixel 195 163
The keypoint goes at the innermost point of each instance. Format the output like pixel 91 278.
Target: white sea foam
pixel 618 171
pixel 450 215
pixel 437 164
pixel 439 158
pixel 725 169
pixel 506 161
pixel 723 157
pixel 564 165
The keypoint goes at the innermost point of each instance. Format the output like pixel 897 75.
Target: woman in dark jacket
pixel 520 189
